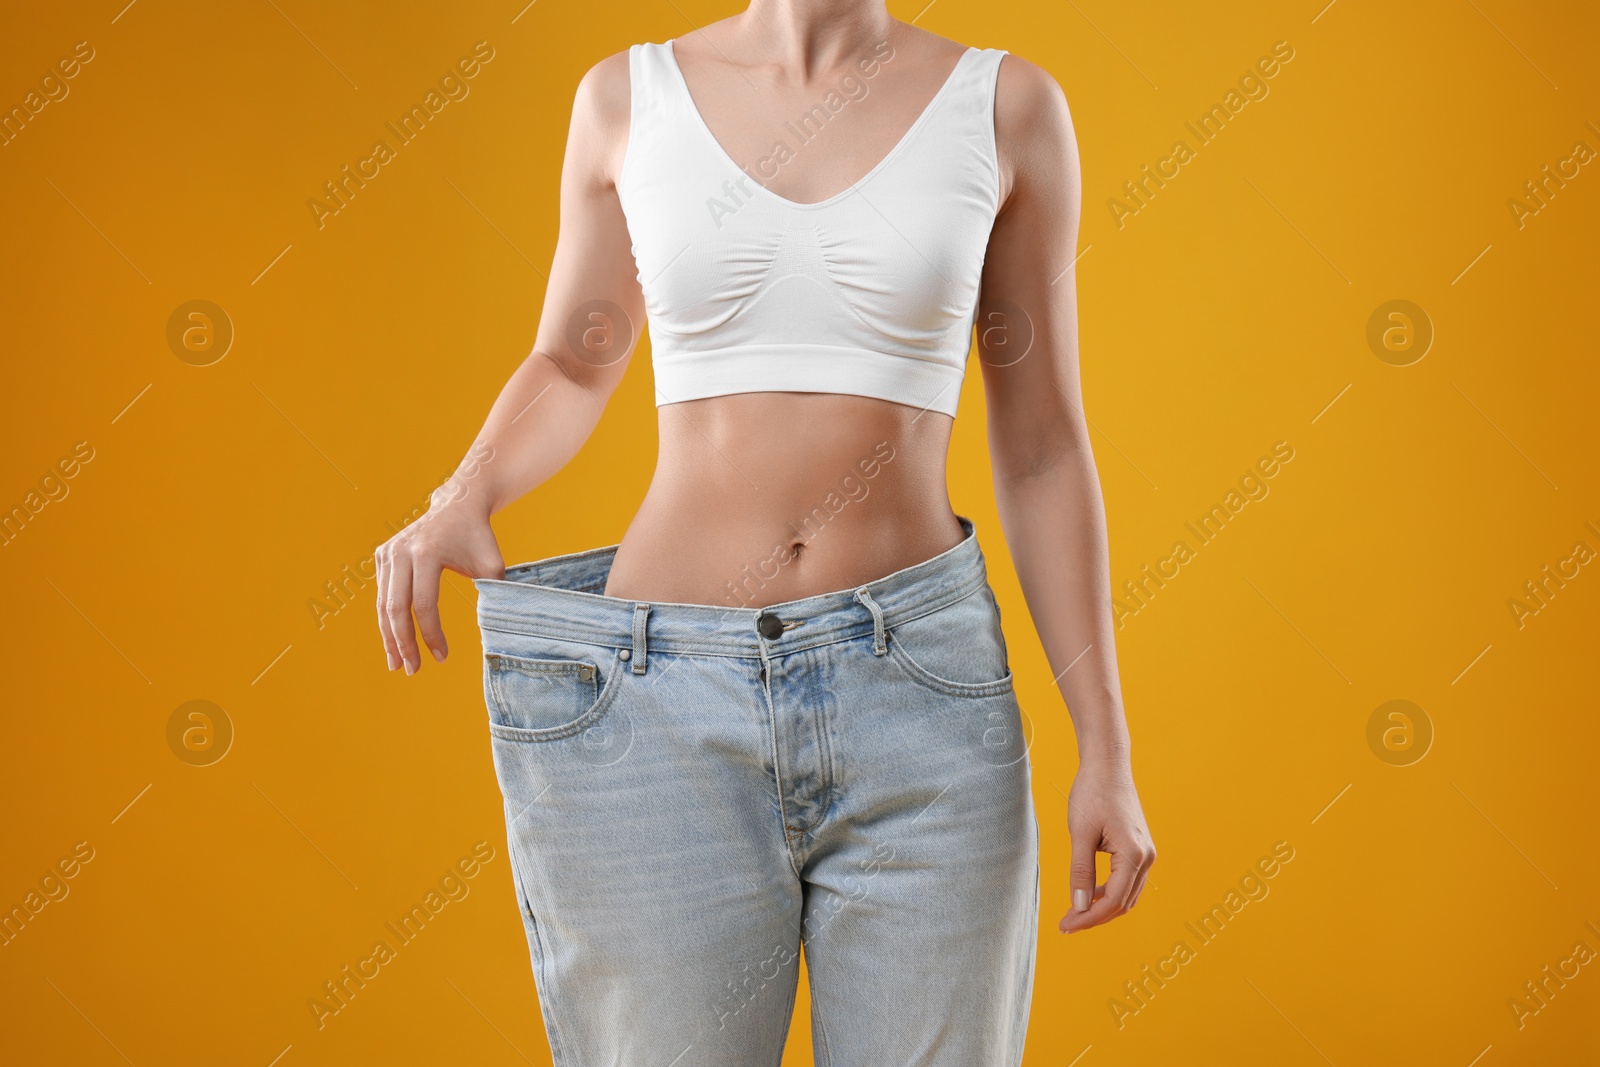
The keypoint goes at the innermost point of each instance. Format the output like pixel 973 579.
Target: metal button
pixel 586 672
pixel 625 654
pixel 770 626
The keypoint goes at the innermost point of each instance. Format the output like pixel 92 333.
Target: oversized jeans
pixel 693 793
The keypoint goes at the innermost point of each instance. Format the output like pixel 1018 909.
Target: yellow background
pixel 1226 315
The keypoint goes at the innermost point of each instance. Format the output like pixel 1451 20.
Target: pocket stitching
pixel 539 667
pixel 923 676
pixel 531 667
pixel 590 715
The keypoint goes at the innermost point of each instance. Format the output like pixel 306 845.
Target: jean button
pixel 770 626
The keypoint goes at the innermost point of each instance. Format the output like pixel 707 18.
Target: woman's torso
pixel 764 497
pixel 760 498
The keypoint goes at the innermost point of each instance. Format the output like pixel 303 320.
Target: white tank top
pixel 872 291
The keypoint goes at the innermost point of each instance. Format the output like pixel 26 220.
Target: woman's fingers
pixel 1109 904
pixel 397 608
pixel 1082 874
pixel 385 567
pixel 1144 855
pixel 425 579
pixel 1135 884
pixel 1138 888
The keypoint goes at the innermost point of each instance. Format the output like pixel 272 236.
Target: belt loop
pixel 639 613
pixel 879 645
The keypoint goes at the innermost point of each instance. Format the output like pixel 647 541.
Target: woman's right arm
pixel 593 309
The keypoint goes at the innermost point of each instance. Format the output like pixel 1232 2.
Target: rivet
pixel 625 654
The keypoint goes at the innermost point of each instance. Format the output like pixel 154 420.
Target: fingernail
pixel 410 670
pixel 1080 899
pixel 390 657
pixel 438 654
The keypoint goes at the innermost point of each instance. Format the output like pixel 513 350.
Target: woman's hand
pixel 1104 815
pixel 454 534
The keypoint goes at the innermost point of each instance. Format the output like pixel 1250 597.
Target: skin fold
pixel 737 475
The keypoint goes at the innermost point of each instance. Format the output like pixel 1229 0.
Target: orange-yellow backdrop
pixel 1228 312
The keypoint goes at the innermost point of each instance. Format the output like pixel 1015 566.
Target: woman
pixel 780 711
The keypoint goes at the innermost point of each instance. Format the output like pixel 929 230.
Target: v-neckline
pixel 699 120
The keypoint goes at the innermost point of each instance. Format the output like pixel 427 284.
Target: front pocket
pixel 958 649
pixel 545 699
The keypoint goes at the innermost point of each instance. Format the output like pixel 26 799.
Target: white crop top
pixel 871 292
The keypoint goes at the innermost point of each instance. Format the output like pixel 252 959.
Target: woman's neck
pixel 811 35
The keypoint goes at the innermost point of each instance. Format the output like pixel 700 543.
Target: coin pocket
pixel 540 697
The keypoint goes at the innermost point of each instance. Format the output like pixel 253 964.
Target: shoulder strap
pixel 655 106
pixel 967 106
pixel 660 80
pixel 645 75
pixel 987 73
pixel 992 58
pixel 991 82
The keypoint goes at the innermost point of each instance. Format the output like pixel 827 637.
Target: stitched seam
pixel 558 1045
pixel 635 62
pixel 924 677
pixel 503 705
pixel 994 139
pixel 820 1029
pixel 595 712
pixel 788 1015
pixel 1032 952
pixel 777 770
pixel 824 719
pixel 825 750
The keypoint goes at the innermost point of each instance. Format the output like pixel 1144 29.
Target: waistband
pixel 559 598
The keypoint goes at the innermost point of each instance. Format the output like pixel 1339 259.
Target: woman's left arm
pixel 1046 484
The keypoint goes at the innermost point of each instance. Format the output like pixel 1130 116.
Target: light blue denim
pixel 689 800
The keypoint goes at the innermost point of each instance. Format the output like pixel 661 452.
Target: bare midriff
pixel 760 498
